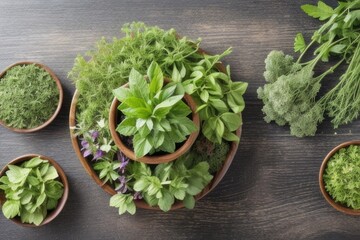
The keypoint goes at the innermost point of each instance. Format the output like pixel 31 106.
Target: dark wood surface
pixel 270 191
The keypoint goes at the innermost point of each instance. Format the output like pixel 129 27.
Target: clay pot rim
pixel 62 177
pixel 167 157
pixel 326 195
pixel 141 203
pixel 61 97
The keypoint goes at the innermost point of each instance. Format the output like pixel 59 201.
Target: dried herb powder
pixel 342 176
pixel 28 96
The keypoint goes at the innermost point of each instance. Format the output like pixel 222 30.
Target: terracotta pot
pixel 326 195
pixel 141 203
pixel 154 159
pixel 61 96
pixel 62 177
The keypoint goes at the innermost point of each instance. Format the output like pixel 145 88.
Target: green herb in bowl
pixel 30 97
pixel 33 190
pixel 339 177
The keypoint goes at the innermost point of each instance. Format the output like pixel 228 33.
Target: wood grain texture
pixel 271 189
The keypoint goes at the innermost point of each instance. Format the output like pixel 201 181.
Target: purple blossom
pixel 137 196
pixel 87 153
pixel 122 188
pixel 85 144
pixel 123 161
pixel 94 134
pixel 99 153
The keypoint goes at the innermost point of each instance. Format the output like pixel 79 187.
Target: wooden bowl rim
pixel 61 203
pixel 141 203
pixel 61 97
pixel 113 113
pixel 326 195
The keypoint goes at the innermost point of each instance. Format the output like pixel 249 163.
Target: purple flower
pixel 87 153
pixel 137 196
pixel 85 144
pixel 99 153
pixel 123 161
pixel 94 134
pixel 122 188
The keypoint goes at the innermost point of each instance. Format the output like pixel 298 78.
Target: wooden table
pixel 271 190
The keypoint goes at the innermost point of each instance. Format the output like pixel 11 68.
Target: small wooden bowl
pixel 141 203
pixel 61 96
pixel 326 195
pixel 53 213
pixel 155 159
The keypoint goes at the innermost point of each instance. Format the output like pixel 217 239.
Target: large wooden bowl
pixel 141 203
pixel 52 214
pixel 61 96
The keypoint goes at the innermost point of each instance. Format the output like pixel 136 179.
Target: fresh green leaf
pixel 156 78
pixel 299 44
pixel 121 93
pixel 50 174
pixel 321 11
pixel 127 127
pixel 11 208
pixel 17 174
pixel 34 162
pixel 189 201
pixel 232 121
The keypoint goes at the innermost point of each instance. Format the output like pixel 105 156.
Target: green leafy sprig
pixel 31 190
pixel 342 176
pixel 168 182
pixel 155 116
pixel 28 96
pixel 290 95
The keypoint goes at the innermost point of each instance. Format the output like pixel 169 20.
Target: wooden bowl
pixel 61 203
pixel 141 203
pixel 326 195
pixel 61 96
pixel 154 159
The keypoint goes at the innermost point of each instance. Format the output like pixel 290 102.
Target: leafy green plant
pixel 290 95
pixel 31 190
pixel 168 182
pixel 220 100
pixel 342 176
pixel 110 64
pixel 155 116
pixel 28 96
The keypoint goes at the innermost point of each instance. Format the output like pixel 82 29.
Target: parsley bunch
pixel 290 95
pixel 342 176
pixel 28 96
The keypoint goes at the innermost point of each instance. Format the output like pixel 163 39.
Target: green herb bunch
pixel 28 96
pixel 218 98
pixel 342 176
pixel 31 190
pixel 109 65
pixel 168 182
pixel 290 95
pixel 155 116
